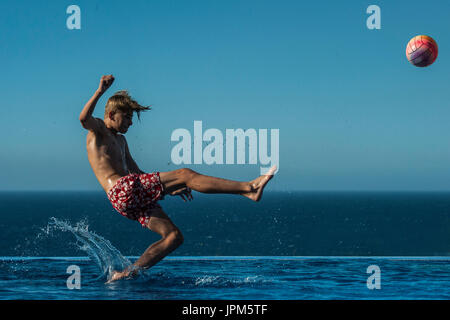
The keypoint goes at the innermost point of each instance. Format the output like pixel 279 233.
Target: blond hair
pixel 122 101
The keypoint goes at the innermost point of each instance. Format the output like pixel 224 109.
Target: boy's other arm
pixel 86 119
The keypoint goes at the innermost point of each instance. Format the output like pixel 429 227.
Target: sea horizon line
pixel 179 258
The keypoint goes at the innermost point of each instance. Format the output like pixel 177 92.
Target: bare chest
pixel 101 146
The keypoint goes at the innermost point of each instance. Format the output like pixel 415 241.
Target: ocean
pixel 298 245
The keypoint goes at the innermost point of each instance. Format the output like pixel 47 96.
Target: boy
pixel 134 193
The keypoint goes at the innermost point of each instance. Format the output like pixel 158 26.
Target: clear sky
pixel 353 114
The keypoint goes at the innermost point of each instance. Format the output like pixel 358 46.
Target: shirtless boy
pixel 134 193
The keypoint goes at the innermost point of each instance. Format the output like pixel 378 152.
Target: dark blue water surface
pixel 288 246
pixel 287 224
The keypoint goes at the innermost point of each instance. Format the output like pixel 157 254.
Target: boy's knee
pixel 176 237
pixel 186 173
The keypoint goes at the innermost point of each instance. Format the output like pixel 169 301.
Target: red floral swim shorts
pixel 135 196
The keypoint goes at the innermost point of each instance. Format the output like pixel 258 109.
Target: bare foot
pixel 116 275
pixel 258 185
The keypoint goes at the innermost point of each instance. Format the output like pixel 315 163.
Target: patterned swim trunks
pixel 135 196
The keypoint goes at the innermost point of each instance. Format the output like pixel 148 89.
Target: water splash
pixel 210 280
pixel 99 249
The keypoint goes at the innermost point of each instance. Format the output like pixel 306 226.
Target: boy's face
pixel 123 121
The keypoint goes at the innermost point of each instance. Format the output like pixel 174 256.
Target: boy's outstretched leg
pixel 174 180
pixel 171 239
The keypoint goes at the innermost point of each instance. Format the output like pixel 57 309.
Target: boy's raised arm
pixel 86 119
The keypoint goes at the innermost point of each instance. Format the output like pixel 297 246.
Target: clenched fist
pixel 105 83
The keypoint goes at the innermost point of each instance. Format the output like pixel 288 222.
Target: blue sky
pixel 353 114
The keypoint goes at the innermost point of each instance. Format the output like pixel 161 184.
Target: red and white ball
pixel 421 51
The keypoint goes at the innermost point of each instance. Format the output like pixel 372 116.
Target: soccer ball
pixel 421 51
